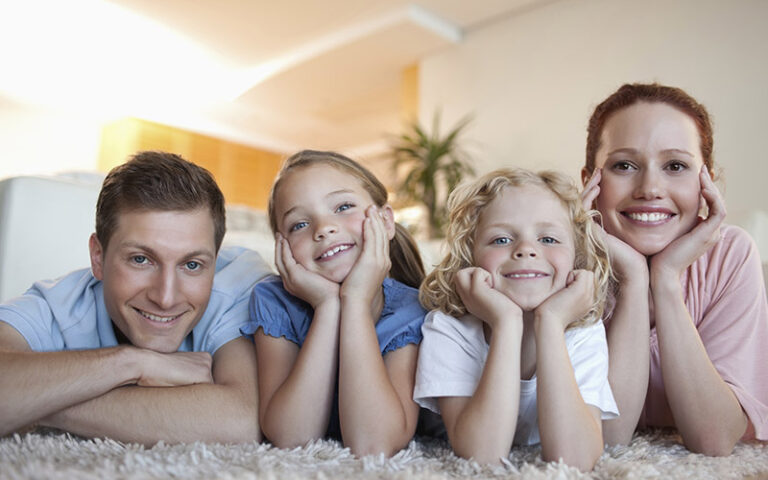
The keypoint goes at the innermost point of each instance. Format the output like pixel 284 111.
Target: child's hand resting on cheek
pixel 571 303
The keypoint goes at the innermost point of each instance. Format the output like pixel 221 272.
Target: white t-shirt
pixel 453 354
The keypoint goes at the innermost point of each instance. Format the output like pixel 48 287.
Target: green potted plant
pixel 434 165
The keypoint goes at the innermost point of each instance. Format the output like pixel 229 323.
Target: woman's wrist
pixel 664 282
pixel 661 276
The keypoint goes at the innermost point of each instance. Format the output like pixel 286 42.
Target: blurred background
pixel 237 85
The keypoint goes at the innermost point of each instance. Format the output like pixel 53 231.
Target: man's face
pixel 157 273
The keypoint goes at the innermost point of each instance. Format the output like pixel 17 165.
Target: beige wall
pixel 532 80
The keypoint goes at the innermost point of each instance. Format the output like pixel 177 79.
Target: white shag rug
pixel 54 455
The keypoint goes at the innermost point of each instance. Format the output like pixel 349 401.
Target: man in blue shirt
pixel 145 345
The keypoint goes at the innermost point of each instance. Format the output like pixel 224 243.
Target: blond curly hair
pixel 465 206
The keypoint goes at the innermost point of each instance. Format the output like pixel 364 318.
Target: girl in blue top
pixel 337 333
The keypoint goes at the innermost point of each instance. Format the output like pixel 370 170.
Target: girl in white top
pixel 502 358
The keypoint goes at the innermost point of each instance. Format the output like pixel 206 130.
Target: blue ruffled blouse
pixel 280 314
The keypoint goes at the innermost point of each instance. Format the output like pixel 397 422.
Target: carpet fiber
pixel 653 454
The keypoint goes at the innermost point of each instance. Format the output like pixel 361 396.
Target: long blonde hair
pixel 407 266
pixel 465 206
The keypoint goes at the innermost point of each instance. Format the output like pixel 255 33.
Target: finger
pixel 462 281
pixel 591 189
pixel 384 236
pixel 486 277
pixel 279 263
pixel 465 277
pixel 586 281
pixel 588 197
pixel 377 226
pixel 290 265
pixel 712 196
pixel 480 279
pixel 369 238
pixel 594 180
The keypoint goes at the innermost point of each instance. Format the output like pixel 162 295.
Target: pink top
pixel 725 295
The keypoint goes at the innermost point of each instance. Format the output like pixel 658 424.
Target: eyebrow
pixel 635 151
pixel 329 194
pixel 538 225
pixel 140 246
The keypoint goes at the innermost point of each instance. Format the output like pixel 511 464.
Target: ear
pixel 388 215
pixel 584 176
pixel 97 257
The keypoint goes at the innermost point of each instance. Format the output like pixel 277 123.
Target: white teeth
pixel 334 251
pixel 156 318
pixel 648 217
pixel 524 275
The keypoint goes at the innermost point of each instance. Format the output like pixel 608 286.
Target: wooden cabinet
pixel 244 173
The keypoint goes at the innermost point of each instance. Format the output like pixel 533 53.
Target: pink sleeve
pixel 727 300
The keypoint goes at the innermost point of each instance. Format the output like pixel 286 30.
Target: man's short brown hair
pixel 153 180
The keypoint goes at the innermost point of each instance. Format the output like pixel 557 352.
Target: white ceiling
pixel 282 74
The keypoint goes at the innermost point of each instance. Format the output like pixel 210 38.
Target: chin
pixel 647 247
pixel 527 303
pixel 167 346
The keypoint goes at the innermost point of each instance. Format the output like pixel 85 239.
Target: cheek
pixel 121 281
pixel 488 258
pixel 199 290
pixel 689 197
pixel 563 260
pixel 612 191
pixel 354 223
pixel 300 246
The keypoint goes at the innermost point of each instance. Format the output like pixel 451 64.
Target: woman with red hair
pixel 688 331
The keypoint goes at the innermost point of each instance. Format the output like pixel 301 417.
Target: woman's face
pixel 650 189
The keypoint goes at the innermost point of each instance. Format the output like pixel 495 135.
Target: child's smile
pixel 320 211
pixel 524 238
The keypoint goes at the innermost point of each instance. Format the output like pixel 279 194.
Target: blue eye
pixel 139 259
pixel 298 226
pixel 548 240
pixel 193 265
pixel 502 241
pixel 344 206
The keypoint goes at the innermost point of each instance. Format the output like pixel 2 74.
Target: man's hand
pixel 174 369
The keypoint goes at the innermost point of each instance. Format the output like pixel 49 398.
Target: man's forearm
pixel 35 384
pixel 146 415
pixel 223 411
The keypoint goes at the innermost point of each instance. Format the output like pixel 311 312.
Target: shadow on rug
pixel 652 454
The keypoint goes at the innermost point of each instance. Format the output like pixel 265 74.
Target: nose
pixel 524 249
pixel 649 185
pixel 163 290
pixel 324 228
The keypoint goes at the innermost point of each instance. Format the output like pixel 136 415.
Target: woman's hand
pixel 300 282
pixel 475 288
pixel 570 303
pixel 373 264
pixel 626 262
pixel 682 252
